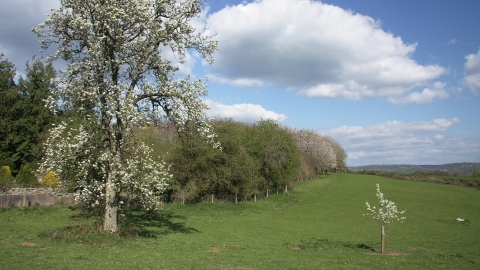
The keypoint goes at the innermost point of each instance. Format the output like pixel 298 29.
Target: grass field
pixel 318 225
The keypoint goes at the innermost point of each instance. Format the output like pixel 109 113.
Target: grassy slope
pixel 319 225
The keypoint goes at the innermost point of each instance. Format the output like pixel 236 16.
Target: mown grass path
pixel 318 225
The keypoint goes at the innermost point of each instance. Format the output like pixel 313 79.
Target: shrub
pixel 6 178
pixel 26 177
pixel 255 159
pixel 51 179
pixel 5 171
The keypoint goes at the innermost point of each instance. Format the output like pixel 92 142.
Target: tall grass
pixel 317 225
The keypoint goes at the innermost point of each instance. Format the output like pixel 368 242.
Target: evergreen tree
pixel 36 118
pixel 24 116
pixel 7 102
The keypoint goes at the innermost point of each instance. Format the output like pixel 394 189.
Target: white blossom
pixel 387 210
pixel 320 147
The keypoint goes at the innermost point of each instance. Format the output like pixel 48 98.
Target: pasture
pixel 317 225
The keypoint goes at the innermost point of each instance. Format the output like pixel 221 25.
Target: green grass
pixel 318 225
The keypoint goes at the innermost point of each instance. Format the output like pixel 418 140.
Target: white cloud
pixel 426 96
pixel 242 112
pixel 472 72
pixel 17 18
pixel 318 49
pixel 390 128
pixel 397 142
pixel 452 41
pixel 244 82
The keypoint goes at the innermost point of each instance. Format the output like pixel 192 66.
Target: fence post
pixel 24 197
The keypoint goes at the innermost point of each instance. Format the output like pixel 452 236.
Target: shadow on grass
pixel 132 224
pixel 152 223
pixel 138 222
pixel 324 243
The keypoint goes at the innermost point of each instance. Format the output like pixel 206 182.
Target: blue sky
pixel 394 82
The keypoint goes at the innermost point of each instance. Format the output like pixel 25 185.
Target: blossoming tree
pixel 385 213
pixel 117 79
pixel 325 151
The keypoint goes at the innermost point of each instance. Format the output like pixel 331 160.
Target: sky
pixel 394 82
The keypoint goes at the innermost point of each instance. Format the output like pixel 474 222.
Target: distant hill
pixel 464 168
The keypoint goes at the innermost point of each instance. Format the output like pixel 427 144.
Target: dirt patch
pixel 214 250
pixel 393 254
pixel 27 244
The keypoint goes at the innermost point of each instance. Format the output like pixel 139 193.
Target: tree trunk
pixel 109 207
pixel 110 211
pixel 236 198
pixel 383 238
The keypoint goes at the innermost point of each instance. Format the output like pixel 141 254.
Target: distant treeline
pixel 428 176
pixel 453 169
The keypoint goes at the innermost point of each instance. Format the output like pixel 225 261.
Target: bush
pixel 51 180
pixel 254 158
pixel 5 171
pixel 6 178
pixel 26 177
